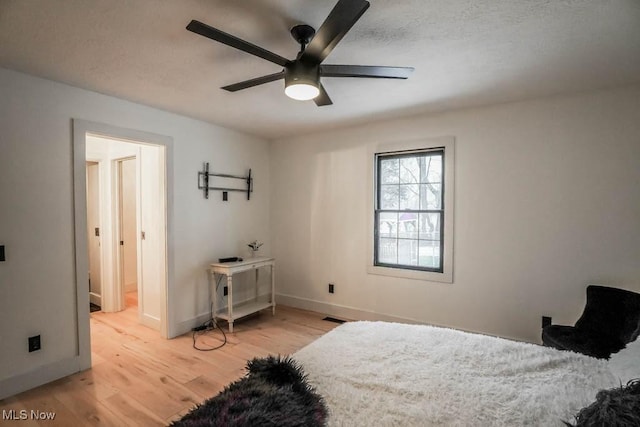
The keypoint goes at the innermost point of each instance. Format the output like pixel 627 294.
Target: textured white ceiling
pixel 465 52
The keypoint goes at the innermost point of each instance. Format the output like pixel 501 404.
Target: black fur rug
pixel 616 407
pixel 273 393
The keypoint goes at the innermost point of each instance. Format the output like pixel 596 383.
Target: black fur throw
pixel 616 407
pixel 274 392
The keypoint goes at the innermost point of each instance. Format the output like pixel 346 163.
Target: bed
pixel 390 374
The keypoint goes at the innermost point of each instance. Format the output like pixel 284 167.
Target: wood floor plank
pixel 41 401
pixel 87 383
pixel 132 413
pixel 138 378
pixel 12 409
pixel 160 394
pixel 206 386
pixel 86 406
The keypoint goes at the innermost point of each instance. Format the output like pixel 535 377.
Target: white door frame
pixel 80 130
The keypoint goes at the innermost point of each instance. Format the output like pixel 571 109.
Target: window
pixel 409 210
pixel 411 204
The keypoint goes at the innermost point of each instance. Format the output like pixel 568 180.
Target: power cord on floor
pixel 209 325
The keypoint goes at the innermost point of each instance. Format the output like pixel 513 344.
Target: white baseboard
pixel 340 311
pixel 187 325
pixel 352 313
pixel 39 376
pixel 95 298
pixel 150 321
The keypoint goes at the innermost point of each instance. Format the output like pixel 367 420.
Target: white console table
pixel 229 269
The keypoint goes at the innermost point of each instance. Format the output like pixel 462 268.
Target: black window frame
pixel 379 157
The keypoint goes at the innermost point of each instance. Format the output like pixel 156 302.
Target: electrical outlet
pixel 546 321
pixel 34 343
pixel 331 288
pixel 225 291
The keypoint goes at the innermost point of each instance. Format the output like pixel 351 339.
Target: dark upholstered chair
pixel 610 320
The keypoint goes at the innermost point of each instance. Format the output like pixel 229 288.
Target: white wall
pixel 547 199
pixel 37 282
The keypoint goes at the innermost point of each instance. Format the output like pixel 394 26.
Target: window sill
pixel 427 276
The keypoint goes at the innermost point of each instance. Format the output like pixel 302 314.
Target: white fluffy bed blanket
pixel 390 374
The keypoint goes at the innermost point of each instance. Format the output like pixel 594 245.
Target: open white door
pixel 152 241
pixel 128 223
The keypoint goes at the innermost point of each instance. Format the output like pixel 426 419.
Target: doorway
pixel 124 181
pixel 130 204
pixel 153 241
pixel 128 224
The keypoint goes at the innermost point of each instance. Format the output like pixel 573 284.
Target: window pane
pixel 409 170
pixel 408 225
pixel 388 251
pixel 429 254
pixel 389 196
pixel 388 225
pixel 410 196
pixel 410 209
pixel 431 169
pixel 408 252
pixel 429 226
pixel 430 196
pixel 389 171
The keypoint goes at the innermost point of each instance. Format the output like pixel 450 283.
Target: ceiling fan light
pixel 302 80
pixel 301 91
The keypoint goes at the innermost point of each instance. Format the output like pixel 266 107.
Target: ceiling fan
pixel 302 75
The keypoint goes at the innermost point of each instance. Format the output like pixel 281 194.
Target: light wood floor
pixel 141 379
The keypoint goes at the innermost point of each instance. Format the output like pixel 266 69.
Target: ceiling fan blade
pixel 365 71
pixel 340 20
pixel 225 38
pixel 254 82
pixel 323 98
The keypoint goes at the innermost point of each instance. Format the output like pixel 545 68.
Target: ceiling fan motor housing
pixel 299 72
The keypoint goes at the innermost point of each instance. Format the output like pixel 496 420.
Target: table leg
pixel 213 291
pixel 256 290
pixel 230 302
pixel 273 290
